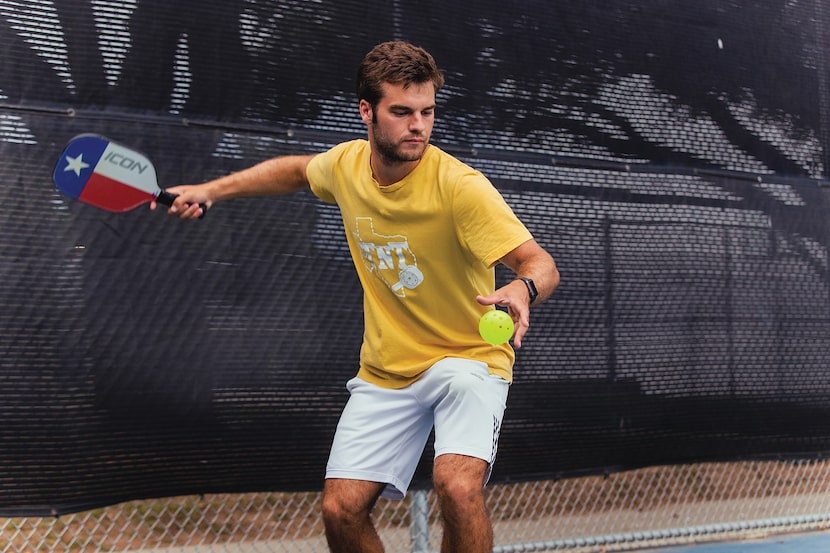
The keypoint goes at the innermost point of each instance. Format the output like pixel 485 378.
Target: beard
pixel 391 151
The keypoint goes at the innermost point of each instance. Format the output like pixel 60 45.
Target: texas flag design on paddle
pixel 97 171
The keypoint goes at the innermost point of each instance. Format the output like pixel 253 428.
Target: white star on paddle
pixel 76 164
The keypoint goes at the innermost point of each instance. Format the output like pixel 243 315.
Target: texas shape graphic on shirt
pixel 389 257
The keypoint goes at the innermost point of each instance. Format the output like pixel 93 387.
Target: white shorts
pixel 382 433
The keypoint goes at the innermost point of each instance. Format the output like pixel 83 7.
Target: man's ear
pixel 366 111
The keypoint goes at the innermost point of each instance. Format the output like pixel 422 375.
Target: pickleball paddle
pixel 108 175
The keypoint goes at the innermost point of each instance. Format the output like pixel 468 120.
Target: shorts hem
pixel 395 489
pixel 487 458
pixel 478 453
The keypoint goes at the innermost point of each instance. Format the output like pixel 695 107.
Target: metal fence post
pixel 419 515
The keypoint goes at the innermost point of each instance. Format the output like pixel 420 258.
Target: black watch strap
pixel 531 288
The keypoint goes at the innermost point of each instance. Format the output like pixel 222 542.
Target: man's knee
pixel 458 478
pixel 348 501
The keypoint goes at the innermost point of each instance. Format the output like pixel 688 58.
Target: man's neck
pixel 389 173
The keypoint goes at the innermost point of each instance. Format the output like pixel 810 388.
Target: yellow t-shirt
pixel 424 247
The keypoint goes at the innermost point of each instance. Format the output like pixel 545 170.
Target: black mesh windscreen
pixel 670 156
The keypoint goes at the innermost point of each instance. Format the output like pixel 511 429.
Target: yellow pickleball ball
pixel 496 327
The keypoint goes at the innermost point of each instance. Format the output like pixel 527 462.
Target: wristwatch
pixel 531 288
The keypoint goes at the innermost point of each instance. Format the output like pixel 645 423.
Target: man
pixel 425 232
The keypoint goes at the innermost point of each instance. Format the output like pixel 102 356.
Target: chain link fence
pixel 622 511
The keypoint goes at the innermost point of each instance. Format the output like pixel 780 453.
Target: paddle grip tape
pixel 166 198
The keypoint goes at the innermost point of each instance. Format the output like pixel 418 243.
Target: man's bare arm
pixel 531 261
pixel 276 176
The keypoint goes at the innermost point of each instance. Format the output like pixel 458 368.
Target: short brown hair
pixel 395 62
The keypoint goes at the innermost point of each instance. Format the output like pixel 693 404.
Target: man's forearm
pixel 276 176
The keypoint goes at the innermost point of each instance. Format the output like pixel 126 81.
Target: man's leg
pixel 468 417
pixel 459 484
pixel 347 508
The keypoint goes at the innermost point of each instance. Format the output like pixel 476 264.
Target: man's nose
pixel 416 122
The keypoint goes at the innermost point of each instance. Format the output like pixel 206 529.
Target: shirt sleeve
pixel 321 173
pixel 485 222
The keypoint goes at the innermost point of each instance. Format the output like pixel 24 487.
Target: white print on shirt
pixel 388 257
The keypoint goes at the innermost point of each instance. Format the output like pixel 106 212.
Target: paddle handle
pixel 166 198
